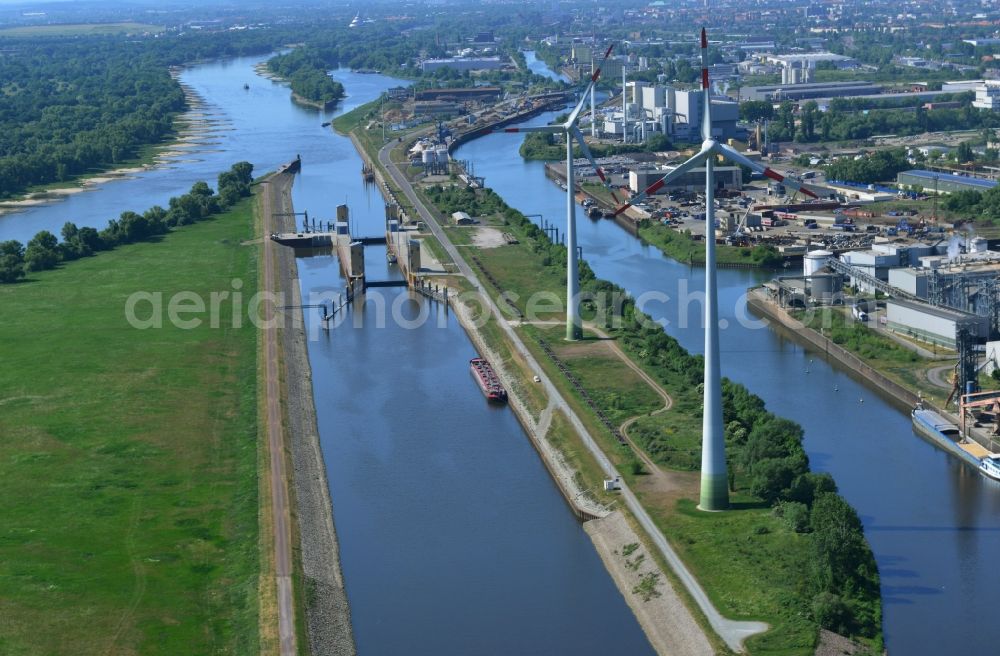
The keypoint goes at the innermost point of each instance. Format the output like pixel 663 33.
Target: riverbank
pixel 900 396
pixel 191 129
pixel 315 104
pixel 322 591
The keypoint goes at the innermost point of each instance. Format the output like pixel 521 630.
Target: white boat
pixel 990 466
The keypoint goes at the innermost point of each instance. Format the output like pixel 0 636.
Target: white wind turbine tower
pixel 574 328
pixel 714 482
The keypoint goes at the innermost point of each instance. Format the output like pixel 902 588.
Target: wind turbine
pixel 574 328
pixel 714 482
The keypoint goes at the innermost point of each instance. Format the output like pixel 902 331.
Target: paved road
pixel 278 484
pixel 732 632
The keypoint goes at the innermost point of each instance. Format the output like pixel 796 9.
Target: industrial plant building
pixel 727 177
pixel 801 68
pixel 651 109
pixel 932 324
pixel 942 183
pixel 988 95
pixel 460 94
pixel 795 92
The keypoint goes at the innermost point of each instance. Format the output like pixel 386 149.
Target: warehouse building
pixel 794 92
pixel 943 183
pixel 934 325
pixel 726 177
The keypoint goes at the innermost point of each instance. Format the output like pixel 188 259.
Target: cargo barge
pixel 947 435
pixel 488 381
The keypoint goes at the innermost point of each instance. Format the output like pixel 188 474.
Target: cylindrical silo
pixel 813 261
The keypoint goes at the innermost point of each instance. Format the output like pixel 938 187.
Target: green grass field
pixel 81 29
pixel 128 461
pixel 751 566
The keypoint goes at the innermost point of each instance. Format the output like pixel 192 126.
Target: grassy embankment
pixel 895 361
pixel 748 575
pixel 753 564
pixel 129 459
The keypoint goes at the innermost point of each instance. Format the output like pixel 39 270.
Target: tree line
pixel 46 251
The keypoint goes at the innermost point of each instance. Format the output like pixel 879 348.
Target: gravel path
pixel 328 615
pixel 668 623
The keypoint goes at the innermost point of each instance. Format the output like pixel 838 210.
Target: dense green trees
pixel 879 166
pixel 862 118
pixel 11 261
pixel 306 68
pixel 984 205
pixel 68 108
pixel 45 251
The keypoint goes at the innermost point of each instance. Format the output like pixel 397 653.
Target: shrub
pixel 831 612
pixel 795 515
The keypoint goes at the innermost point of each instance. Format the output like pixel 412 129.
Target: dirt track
pixel 328 615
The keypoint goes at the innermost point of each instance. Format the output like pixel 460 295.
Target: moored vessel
pixel 488 380
pixel 932 426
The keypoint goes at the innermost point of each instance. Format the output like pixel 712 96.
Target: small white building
pixel 461 218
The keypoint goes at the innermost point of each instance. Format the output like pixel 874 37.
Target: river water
pixel 453 537
pixel 933 523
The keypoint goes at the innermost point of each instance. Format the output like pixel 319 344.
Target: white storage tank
pixel 813 261
pixel 428 157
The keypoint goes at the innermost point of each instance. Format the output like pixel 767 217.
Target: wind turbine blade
pixel 666 179
pixel 706 90
pixel 734 155
pixel 590 158
pixel 551 129
pixel 594 77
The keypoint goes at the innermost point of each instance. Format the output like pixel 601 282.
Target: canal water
pixel 538 67
pixel 453 537
pixel 933 524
